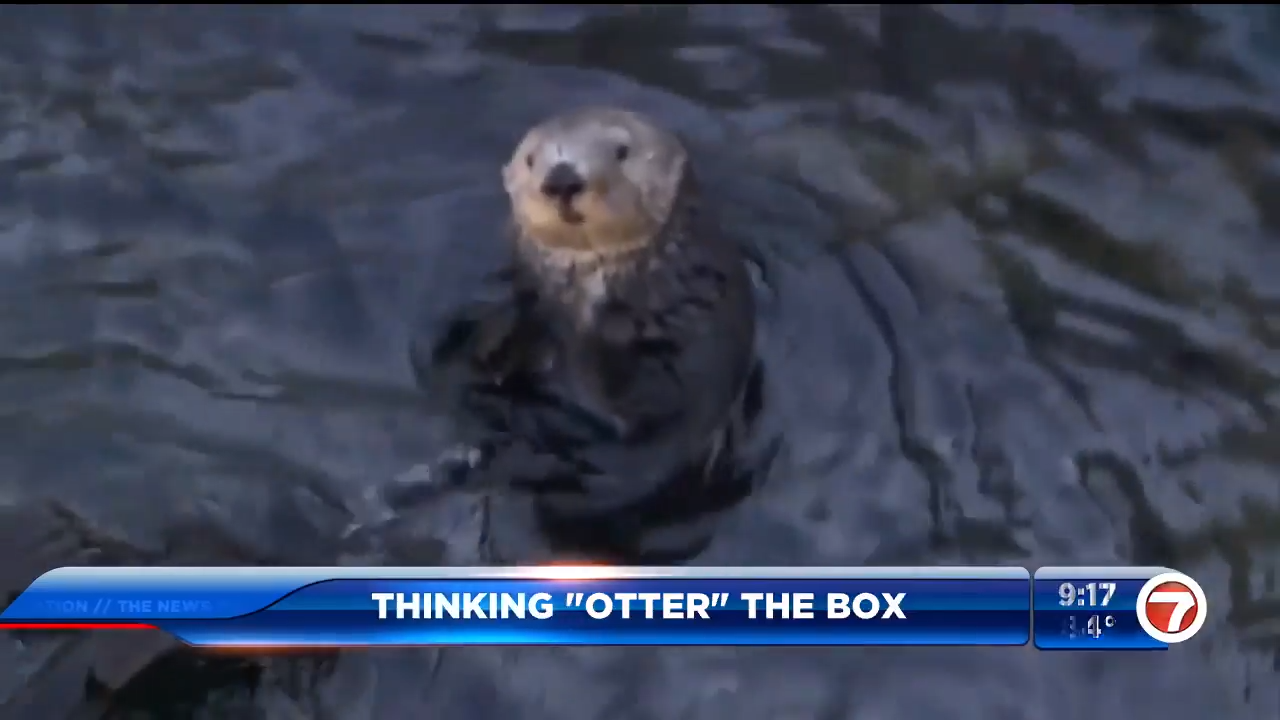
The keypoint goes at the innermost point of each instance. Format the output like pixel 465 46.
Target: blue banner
pixel 344 606
pixel 1097 608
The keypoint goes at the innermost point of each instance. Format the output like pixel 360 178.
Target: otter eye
pixel 528 161
pixel 622 152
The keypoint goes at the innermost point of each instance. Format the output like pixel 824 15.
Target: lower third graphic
pixel 1171 607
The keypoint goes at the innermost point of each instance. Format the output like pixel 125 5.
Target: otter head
pixel 595 181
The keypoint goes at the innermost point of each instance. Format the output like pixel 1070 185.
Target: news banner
pixel 1057 608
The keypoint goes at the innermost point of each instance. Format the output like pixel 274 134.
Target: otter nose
pixel 563 183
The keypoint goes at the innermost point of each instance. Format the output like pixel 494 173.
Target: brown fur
pixel 643 294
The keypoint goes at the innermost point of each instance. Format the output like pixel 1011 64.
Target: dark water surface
pixel 1023 307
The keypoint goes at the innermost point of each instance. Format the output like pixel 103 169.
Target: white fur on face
pixel 626 201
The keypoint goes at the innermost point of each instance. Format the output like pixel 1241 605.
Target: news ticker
pixel 1061 608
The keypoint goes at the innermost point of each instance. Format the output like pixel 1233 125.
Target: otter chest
pixel 579 288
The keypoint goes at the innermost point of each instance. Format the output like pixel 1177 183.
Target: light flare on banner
pixel 552 605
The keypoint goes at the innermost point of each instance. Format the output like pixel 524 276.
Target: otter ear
pixel 508 177
pixel 674 148
pixel 673 175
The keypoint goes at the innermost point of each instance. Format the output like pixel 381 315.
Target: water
pixel 1022 291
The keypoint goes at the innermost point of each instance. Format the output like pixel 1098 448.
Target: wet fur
pixel 615 376
pixel 646 307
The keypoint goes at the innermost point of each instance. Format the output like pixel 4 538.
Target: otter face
pixel 594 181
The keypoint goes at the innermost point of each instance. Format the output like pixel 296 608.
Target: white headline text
pixel 639 605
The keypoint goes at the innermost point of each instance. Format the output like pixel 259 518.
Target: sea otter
pixel 649 306
pixel 631 327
